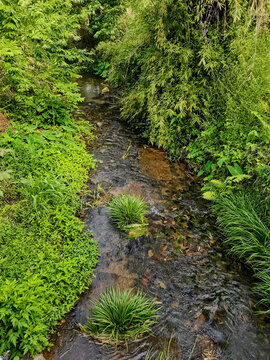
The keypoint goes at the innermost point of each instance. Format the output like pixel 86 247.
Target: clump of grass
pixel 247 232
pixel 128 213
pixel 120 316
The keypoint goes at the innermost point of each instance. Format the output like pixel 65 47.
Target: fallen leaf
pixel 161 284
pixel 150 253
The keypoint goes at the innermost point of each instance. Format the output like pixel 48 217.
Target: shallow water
pixel 204 294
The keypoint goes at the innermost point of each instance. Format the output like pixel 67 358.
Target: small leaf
pixel 208 166
pixel 235 170
pixel 200 172
pixel 209 195
pixel 219 184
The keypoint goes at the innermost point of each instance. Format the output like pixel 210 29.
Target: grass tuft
pixel 120 316
pixel 247 232
pixel 127 212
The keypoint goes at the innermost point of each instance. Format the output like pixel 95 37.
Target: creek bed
pixel 205 295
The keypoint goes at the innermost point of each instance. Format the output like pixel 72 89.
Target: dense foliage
pixel 247 227
pixel 46 260
pixel 197 80
pixel 38 59
pixel 121 316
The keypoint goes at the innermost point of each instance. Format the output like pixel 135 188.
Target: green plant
pixel 244 220
pixel 41 276
pixel 126 210
pixel 121 316
pixel 38 59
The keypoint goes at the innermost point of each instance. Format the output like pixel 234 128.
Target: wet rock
pixel 155 164
pixel 139 189
pixel 216 335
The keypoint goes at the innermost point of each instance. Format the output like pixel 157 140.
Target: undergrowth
pixel 46 260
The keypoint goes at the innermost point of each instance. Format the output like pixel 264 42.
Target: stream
pixel 204 294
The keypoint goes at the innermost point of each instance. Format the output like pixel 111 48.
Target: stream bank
pixel 203 292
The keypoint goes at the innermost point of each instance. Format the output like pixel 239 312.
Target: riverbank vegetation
pixel 46 260
pixel 195 82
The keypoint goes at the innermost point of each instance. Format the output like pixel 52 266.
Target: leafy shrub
pixel 127 211
pixel 119 315
pixel 244 220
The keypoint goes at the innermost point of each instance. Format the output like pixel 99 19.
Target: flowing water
pixel 204 295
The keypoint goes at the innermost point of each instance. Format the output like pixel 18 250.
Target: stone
pixel 39 357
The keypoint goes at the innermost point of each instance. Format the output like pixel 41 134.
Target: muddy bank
pixel 204 294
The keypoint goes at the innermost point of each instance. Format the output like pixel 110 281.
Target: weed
pixel 46 261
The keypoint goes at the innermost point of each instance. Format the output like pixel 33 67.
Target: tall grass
pixel 247 232
pixel 120 316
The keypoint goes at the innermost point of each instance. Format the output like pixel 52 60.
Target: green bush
pixel 121 316
pixel 245 222
pixel 45 259
pixel 127 211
